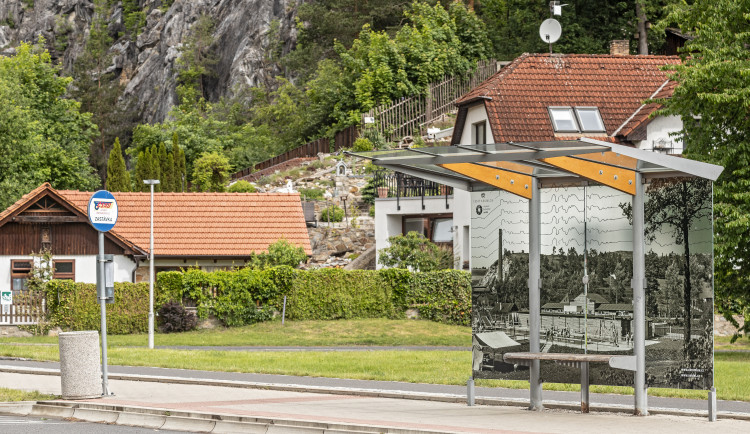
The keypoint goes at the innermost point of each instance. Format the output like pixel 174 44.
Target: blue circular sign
pixel 102 210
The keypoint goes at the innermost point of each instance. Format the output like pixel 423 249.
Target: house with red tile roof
pixel 208 230
pixel 546 97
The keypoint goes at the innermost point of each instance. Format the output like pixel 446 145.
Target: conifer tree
pixel 118 177
pixel 141 172
pixel 180 173
pixel 168 174
pixel 154 169
pixel 163 169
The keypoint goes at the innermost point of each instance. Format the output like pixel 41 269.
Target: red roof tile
pixel 196 224
pixel 516 98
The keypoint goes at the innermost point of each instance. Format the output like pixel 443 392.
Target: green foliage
pixel 211 172
pixel 416 252
pixel 237 297
pixel 331 293
pixel 311 193
pixel 195 63
pixel 118 177
pixel 250 294
pixel 74 306
pixel 43 136
pixel 713 99
pixel 282 252
pixel 369 191
pixel 242 186
pixel 362 145
pixel 333 213
pixel 41 270
pixel 173 317
pixel 134 17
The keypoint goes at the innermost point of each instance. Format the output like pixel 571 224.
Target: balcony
pixel 398 185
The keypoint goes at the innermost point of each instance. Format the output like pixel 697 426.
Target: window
pixel 479 133
pixel 442 230
pixel 415 224
pixel 64 269
pixel 585 119
pixel 563 119
pixel 19 274
pixel 590 119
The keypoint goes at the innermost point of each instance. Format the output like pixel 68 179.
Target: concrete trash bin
pixel 80 368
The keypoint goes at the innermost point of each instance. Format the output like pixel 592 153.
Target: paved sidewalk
pixel 200 408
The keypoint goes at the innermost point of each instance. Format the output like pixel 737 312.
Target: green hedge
pixel 249 295
pixel 74 306
pixel 332 293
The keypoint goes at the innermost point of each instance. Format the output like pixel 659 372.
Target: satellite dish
pixel 550 30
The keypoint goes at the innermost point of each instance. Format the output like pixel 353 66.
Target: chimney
pixel 619 47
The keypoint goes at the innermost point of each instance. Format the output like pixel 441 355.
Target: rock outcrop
pixel 146 63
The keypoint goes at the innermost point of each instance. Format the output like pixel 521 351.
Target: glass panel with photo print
pixel 499 275
pixel 679 275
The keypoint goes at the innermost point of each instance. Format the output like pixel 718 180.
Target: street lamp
pixel 151 182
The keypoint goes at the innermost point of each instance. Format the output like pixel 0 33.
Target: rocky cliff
pixel 145 64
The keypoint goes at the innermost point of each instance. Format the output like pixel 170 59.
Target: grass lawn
pixel 375 332
pixel 8 395
pixel 438 367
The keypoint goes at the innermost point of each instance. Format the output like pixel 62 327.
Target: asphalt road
pixel 27 425
pixel 627 400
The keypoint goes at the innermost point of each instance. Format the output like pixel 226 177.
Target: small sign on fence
pixel 6 297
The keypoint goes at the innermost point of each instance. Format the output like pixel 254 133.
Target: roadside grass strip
pixel 12 395
pixel 431 367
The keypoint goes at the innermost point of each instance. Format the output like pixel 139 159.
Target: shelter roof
pixel 510 166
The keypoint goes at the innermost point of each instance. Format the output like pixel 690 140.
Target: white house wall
pixel 660 128
pixel 474 114
pixel 85 268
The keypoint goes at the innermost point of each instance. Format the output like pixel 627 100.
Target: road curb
pixel 374 393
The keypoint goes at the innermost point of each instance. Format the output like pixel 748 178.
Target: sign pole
pixel 102 302
pixel 102 213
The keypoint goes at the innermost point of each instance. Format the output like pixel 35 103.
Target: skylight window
pixel 563 119
pixel 590 119
pixel 576 119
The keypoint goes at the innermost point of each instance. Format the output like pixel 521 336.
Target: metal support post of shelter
pixel 535 318
pixel 639 299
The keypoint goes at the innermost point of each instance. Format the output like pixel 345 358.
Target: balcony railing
pixel 398 185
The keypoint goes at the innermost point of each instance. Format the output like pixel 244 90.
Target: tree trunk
pixel 642 33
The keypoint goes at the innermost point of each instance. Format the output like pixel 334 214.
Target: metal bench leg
pixel 584 387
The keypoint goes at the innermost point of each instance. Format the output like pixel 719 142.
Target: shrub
pixel 174 318
pixel 416 252
pixel 241 186
pixel 282 252
pixel 362 144
pixel 333 213
pixel 371 211
pixel 311 193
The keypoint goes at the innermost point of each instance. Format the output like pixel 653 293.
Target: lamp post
pixel 151 183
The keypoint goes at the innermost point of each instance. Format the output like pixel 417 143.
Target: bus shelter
pixel 583 252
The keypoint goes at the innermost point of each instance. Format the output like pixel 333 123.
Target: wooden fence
pixel 28 308
pixel 410 116
pixel 342 139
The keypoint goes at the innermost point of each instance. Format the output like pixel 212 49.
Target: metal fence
pixel 342 139
pixel 397 184
pixel 409 116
